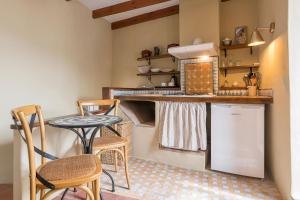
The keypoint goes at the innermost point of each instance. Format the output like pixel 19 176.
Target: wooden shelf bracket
pixel 148 59
pixel 233 47
pixel 250 67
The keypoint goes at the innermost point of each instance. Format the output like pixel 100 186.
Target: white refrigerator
pixel 237 139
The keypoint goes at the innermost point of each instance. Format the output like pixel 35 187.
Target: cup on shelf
pixel 144 69
pixel 164 84
pixel 156 51
pixel 171 84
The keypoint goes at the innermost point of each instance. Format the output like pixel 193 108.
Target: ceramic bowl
pixel 166 69
pixel 155 69
pixel 144 69
pixel 227 42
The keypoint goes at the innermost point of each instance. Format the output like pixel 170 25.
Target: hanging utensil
pixel 253 80
pixel 258 79
pixel 246 80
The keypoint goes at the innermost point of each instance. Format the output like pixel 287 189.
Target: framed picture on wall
pixel 241 36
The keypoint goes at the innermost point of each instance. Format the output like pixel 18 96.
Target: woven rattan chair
pixel 52 176
pixel 115 143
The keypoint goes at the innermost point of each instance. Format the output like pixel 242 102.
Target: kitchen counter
pixel 207 99
pixel 107 94
pixel 140 105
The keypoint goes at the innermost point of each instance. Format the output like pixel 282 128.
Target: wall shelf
pixel 150 74
pixel 168 87
pixel 235 47
pixel 156 57
pixel 250 67
pixel 158 73
pixel 233 88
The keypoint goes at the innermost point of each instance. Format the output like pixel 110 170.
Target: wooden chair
pixel 107 143
pixel 71 172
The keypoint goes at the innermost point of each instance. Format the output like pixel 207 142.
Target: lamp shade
pixel 256 39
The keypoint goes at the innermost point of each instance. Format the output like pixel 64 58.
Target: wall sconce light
pixel 257 39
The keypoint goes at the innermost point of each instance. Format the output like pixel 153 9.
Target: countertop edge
pixel 215 99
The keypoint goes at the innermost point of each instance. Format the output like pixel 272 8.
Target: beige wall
pixel 198 19
pixel 236 13
pixel 275 70
pixel 128 43
pixel 52 52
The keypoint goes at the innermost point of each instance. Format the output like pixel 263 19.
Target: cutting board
pixel 199 78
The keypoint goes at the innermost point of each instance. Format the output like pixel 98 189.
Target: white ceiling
pixel 96 4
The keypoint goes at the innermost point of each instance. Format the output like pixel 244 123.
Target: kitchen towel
pixel 182 125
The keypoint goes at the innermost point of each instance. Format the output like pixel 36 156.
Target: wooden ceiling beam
pixel 173 10
pixel 125 6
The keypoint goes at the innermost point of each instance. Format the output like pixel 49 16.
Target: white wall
pixel 294 43
pixel 275 72
pixel 51 53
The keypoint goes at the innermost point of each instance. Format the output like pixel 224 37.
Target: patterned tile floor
pixel 81 195
pixel 155 181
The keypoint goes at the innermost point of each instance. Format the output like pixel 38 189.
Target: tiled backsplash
pixel 263 92
pixel 215 62
pixel 131 92
pixel 232 93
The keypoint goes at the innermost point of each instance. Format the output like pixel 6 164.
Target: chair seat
pixel 72 170
pixel 108 142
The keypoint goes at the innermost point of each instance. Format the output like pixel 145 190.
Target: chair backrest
pixel 22 114
pixel 101 103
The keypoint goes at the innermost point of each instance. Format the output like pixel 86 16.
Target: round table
pixel 89 126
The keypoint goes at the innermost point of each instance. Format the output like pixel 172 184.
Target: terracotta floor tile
pixel 6 191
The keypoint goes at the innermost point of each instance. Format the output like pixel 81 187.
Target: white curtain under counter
pixel 182 125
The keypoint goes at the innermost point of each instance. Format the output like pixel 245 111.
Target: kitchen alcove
pixel 141 113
